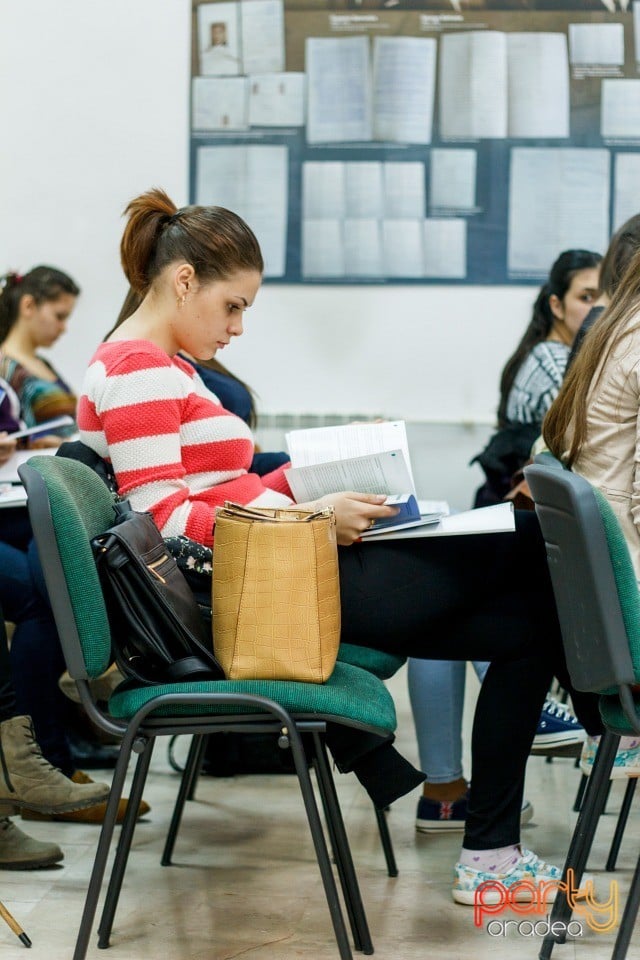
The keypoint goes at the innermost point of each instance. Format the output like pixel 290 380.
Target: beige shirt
pixel 610 457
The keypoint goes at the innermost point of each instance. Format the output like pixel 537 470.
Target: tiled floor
pixel 245 882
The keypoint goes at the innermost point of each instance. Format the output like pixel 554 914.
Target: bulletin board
pixel 442 141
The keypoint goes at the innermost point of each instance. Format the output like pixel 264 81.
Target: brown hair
pixel 568 412
pixel 215 241
pixel 42 283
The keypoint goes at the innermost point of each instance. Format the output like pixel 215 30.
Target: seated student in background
pixel 29 782
pixel 623 245
pixel 485 597
pixel 593 425
pixel 34 309
pixel 533 374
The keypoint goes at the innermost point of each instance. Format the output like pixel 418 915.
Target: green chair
pixel 598 605
pixel 68 505
pixel 380 664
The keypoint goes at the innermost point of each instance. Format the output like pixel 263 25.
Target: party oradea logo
pixel 493 898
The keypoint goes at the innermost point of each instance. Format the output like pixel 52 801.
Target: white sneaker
pixel 529 867
pixel 626 763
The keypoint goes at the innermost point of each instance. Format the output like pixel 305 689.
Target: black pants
pixel 482 597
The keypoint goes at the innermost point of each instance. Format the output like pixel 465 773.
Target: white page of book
pixel 497 519
pixel 220 103
pixel 452 179
pixel 363 189
pixel 473 85
pixel 384 472
pixel 325 444
pixel 596 43
pixel 276 99
pixel 636 29
pixel 338 89
pixel 252 181
pixel 626 202
pixel 262 31
pixel 404 190
pixel 558 199
pixel 322 248
pixel 403 251
pixel 219 39
pixel 445 248
pixel 363 248
pixel 323 190
pixel 404 83
pixel 538 85
pixel 9 469
pixel 620 109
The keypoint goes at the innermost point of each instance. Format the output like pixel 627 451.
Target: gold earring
pixel 180 301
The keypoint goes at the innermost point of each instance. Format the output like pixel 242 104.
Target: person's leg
pixel 436 693
pixel 476 597
pixel 36 657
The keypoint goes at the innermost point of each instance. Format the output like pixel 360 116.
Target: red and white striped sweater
pixel 174 450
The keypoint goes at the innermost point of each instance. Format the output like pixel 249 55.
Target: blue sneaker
pixel 433 816
pixel 557 727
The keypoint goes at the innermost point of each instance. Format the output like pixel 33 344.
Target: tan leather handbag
pixel 276 593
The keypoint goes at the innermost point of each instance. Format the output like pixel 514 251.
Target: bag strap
pixel 272 515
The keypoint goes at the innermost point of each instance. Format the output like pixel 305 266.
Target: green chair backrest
pixel 80 507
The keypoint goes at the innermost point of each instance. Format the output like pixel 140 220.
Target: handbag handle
pixel 272 515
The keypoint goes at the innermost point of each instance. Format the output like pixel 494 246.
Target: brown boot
pixel 29 781
pixel 94 814
pixel 21 852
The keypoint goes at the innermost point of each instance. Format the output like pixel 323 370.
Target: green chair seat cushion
pixel 377 662
pixel 613 715
pixel 348 694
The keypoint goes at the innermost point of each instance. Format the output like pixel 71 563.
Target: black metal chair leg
pixel 342 852
pixel 194 775
pixel 581 842
pixel 124 846
pixel 628 917
pixel 623 816
pixel 320 845
pixel 385 840
pixel 106 834
pixel 189 779
pixel 582 786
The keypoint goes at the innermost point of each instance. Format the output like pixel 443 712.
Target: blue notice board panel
pixel 442 141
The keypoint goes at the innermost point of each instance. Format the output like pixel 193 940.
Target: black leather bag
pixel 157 631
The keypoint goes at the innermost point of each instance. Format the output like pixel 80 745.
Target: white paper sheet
pixel 219 39
pixel 452 179
pixel 323 190
pixel 262 32
pixel 363 248
pixel 322 248
pixel 338 89
pixel 404 190
pixel 363 187
pixel 445 248
pixel 596 43
pixel 404 71
pixel 276 99
pixel 497 519
pixel 220 103
pixel 538 85
pixel 620 113
pixel 626 199
pixel 384 472
pixel 253 182
pixel 403 248
pixel 473 85
pixel 558 199
pixel 325 444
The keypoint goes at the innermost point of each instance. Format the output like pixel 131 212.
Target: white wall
pixel 93 110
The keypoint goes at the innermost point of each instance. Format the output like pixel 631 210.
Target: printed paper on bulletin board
pixel 417 141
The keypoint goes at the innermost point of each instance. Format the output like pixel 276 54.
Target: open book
pixel 367 457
